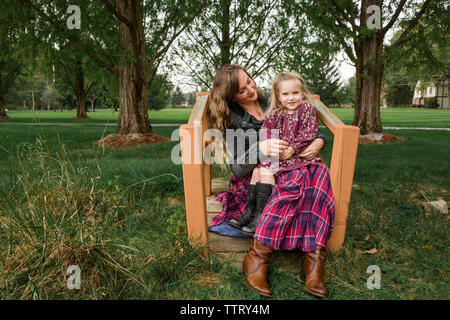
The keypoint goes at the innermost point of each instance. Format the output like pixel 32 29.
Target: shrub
pixel 431 103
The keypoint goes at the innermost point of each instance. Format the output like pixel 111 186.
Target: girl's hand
pixel 287 154
pixel 273 147
pixel 313 149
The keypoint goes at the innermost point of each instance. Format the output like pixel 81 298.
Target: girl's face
pixel 247 89
pixel 290 94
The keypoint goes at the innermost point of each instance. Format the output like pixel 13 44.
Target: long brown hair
pixel 225 87
pixel 274 98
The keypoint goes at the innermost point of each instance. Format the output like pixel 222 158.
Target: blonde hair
pixel 284 76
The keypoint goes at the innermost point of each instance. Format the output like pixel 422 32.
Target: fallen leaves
pixel 371 251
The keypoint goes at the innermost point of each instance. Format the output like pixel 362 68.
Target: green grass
pixel 404 117
pixel 174 116
pixel 120 216
pixel 390 117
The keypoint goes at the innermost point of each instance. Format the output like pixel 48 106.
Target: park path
pixel 178 124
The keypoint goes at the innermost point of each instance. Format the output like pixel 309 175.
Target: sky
pixel 346 71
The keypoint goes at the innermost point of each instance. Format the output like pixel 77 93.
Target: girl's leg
pixel 255 176
pixel 266 176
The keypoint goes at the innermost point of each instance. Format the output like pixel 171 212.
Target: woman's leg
pixel 255 267
pixel 263 192
pixel 250 204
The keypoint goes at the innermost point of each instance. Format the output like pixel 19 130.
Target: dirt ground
pixel 122 141
pixel 386 138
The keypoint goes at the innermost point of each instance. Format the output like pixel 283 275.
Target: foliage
pixel 425 53
pixel 51 95
pixel 159 92
pixel 178 97
pixel 191 99
pixel 398 91
pixel 347 92
pixel 253 34
pixel 16 30
pixel 431 103
pixel 325 82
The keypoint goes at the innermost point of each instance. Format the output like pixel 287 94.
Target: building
pixel 440 91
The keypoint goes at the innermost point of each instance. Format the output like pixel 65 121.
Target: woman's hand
pixel 313 149
pixel 287 154
pixel 273 147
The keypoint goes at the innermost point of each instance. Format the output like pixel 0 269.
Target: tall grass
pixel 119 215
pixel 55 216
pixel 55 212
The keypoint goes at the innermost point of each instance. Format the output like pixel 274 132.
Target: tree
pixel 325 82
pixel 347 92
pixel 139 54
pixel 398 91
pixel 71 67
pixel 191 99
pixel 249 33
pixel 178 97
pixel 360 33
pixel 160 92
pixel 51 97
pixel 15 45
pixel 426 57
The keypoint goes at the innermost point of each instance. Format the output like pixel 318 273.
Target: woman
pixel 236 103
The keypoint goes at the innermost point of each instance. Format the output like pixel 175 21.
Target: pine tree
pixel 178 97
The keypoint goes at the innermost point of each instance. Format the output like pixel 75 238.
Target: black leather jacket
pixel 245 160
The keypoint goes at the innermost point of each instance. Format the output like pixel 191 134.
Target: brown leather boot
pixel 313 268
pixel 255 266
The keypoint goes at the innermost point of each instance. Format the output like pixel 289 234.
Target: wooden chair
pixel 199 183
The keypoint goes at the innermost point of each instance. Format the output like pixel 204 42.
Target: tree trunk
pixel 369 76
pixel 133 100
pixel 33 104
pixel 225 44
pixel 80 92
pixel 3 108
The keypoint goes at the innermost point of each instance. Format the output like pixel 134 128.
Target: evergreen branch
pixel 163 50
pixel 75 41
pixel 394 17
pixel 411 25
pixel 344 15
pixel 112 8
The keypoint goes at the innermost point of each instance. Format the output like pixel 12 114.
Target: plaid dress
pixel 298 215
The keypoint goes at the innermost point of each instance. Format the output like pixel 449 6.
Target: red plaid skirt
pixel 298 215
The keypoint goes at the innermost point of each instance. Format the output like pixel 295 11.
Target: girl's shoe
pixel 313 268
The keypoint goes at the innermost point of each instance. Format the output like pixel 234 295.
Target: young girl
pixel 293 118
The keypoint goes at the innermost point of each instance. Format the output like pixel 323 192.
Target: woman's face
pixel 247 89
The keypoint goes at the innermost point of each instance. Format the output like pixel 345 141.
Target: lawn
pixel 390 117
pixel 174 115
pixel 119 215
